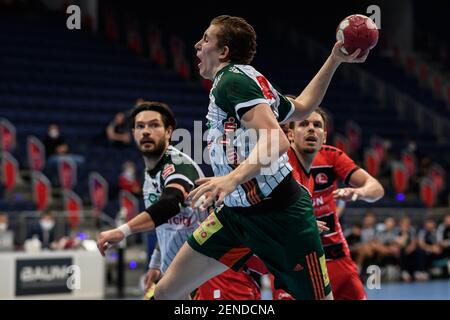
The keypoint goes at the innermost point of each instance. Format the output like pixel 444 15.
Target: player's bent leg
pixel 187 271
pixel 345 280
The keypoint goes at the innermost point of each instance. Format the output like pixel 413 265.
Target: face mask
pixel 53 133
pixel 129 174
pixel 47 224
pixel 3 226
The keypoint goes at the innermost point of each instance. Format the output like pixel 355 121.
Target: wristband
pixel 125 229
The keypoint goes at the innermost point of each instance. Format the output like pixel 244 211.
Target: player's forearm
pixel 142 222
pixel 312 96
pixel 371 191
pixel 270 146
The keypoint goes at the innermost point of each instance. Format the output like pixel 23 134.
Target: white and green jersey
pixel 236 89
pixel 174 167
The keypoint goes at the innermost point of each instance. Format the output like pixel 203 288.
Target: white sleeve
pixel 155 260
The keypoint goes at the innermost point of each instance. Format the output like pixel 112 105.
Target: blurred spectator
pixel 340 207
pixel 44 229
pixel 3 222
pixel 430 249
pixel 443 236
pixel 386 246
pixel 407 240
pixel 127 179
pixel 138 101
pixel 54 143
pixel 56 146
pixel 117 131
pixel 6 236
pixel 353 237
pixel 368 230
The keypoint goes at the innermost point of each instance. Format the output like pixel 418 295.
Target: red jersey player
pixel 325 165
pixel 230 285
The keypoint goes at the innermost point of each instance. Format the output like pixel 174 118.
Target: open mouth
pixel 143 142
pixel 311 139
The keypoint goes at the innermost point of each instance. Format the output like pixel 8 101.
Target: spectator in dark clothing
pixel 44 230
pixel 117 131
pixel 56 147
pixel 386 247
pixel 407 240
pixel 443 236
pixel 429 247
pixel 353 237
pixel 54 143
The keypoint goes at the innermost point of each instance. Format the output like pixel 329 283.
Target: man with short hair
pixel 318 167
pixel 264 211
pixel 169 176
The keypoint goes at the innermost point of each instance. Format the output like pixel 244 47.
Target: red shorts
pixel 344 278
pixel 280 294
pixel 230 285
pixel 345 281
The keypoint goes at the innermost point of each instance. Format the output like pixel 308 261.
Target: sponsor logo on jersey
pixel 321 178
pixel 323 266
pixel 265 87
pixel 152 197
pixel 230 125
pixel 168 169
pixel 180 220
pixel 317 202
pixel 208 227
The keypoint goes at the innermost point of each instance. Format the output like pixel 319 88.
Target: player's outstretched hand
pixel 212 191
pixel 346 194
pixel 152 276
pixel 108 238
pixel 322 225
pixel 339 56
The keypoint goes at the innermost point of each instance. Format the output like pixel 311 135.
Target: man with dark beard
pixel 169 177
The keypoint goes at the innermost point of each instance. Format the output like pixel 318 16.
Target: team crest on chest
pixel 321 178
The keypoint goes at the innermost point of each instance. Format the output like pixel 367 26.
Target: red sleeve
pixel 343 165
